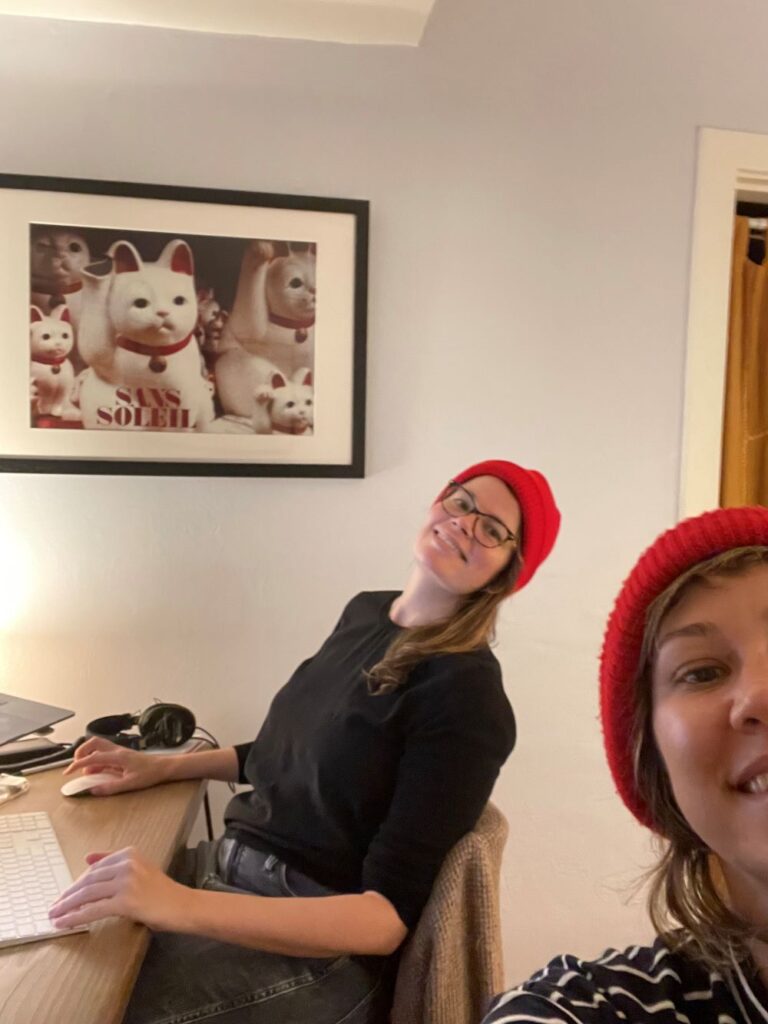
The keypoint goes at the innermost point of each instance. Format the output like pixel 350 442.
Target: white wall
pixel 531 173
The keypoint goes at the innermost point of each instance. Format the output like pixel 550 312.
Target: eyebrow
pixel 693 629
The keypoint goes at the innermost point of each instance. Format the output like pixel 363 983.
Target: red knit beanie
pixel 540 515
pixel 684 546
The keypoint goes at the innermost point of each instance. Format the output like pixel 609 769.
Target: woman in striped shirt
pixel 684 705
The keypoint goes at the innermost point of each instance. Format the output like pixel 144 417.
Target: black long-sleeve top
pixel 370 792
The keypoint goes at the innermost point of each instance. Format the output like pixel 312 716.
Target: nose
pixel 465 524
pixel 749 704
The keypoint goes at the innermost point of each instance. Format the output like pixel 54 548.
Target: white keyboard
pixel 33 873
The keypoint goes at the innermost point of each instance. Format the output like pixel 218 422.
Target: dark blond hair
pixel 471 626
pixel 687 901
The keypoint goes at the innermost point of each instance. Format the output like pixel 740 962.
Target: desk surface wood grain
pixel 86 978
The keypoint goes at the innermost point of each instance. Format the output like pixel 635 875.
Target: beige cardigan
pixel 452 963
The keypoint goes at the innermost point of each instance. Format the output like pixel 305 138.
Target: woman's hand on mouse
pixel 121 884
pixel 132 769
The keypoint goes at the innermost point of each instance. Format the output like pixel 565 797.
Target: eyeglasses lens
pixel 485 529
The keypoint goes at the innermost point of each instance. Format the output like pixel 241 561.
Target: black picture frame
pixel 219 226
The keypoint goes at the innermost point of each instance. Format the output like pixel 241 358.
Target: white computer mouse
pixel 83 784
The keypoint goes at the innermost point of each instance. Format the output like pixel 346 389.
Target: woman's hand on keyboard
pixel 122 884
pixel 132 769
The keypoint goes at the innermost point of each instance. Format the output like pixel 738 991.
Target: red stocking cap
pixel 685 545
pixel 540 515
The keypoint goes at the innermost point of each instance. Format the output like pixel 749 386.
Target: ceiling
pixel 391 22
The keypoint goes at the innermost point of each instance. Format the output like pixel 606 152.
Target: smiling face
pixel 710 720
pixel 447 549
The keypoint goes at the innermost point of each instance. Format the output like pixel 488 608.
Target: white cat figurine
pixel 52 377
pixel 57 260
pixel 277 406
pixel 137 335
pixel 240 377
pixel 291 409
pixel 273 315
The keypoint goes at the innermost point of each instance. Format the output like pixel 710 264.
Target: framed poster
pixel 161 330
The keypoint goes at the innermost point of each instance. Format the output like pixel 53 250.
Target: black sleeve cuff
pixel 242 750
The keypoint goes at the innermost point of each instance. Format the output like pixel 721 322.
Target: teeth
pixel 757 785
pixel 458 550
pixel 451 543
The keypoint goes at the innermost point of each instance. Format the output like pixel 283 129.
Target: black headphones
pixel 161 725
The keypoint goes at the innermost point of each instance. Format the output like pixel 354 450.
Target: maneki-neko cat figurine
pixel 271 328
pixel 52 377
pixel 273 315
pixel 58 257
pixel 291 408
pixel 137 335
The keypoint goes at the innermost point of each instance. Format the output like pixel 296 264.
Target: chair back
pixel 452 963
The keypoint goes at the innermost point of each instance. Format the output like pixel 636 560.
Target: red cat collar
pixel 65 289
pixel 289 430
pixel 152 350
pixel 296 325
pixel 49 360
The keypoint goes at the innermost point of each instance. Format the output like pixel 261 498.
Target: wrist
pixel 175 915
pixel 169 767
pixel 190 911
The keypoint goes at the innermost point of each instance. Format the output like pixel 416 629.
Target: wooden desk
pixel 86 978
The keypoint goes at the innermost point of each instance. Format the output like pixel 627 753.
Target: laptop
pixel 19 717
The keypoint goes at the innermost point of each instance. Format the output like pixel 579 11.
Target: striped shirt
pixel 641 985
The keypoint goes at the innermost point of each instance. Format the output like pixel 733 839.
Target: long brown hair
pixel 471 626
pixel 687 901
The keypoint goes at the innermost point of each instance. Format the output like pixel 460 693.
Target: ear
pixel 63 314
pixel 35 314
pixel 125 258
pixel 100 268
pixel 279 381
pixel 303 376
pixel 177 256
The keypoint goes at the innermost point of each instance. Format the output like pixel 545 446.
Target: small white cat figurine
pixel 289 405
pixel 52 377
pixel 240 378
pixel 273 315
pixel 57 260
pixel 137 335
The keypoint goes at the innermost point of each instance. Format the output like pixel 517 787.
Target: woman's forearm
pixel 221 765
pixel 318 926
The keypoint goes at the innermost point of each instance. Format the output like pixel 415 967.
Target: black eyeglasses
pixel 487 530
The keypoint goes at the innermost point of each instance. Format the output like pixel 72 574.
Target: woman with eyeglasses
pixel 374 759
pixel 684 706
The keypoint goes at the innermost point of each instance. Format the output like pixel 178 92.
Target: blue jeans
pixel 187 979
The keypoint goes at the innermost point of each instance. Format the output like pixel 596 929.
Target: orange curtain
pixel 744 470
